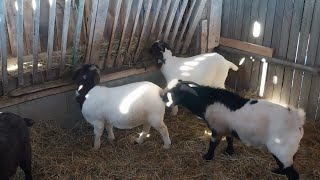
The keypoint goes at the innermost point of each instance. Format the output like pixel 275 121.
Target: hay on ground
pixel 67 154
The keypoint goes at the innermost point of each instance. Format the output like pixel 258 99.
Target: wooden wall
pixel 291 28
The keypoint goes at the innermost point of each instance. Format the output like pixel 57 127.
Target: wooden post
pixel 156 18
pixel 93 15
pixel 66 18
pixel 170 20
pixel 52 16
pixel 214 24
pixel 179 43
pixel 163 19
pixel 127 15
pixel 109 63
pixel 20 41
pixel 204 36
pixel 178 21
pixel 35 51
pixel 146 18
pixel 3 38
pixel 77 34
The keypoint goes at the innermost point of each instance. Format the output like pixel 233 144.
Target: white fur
pixel 126 107
pixel 263 124
pixel 210 69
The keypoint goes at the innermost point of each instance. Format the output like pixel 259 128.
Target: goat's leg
pixel 143 134
pixel 109 129
pixel 98 130
pixel 25 163
pixel 230 149
pixel 163 130
pixel 214 142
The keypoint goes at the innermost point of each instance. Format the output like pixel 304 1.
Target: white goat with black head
pixel 257 123
pixel 210 69
pixel 123 107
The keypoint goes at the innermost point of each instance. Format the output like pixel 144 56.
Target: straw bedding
pixel 67 154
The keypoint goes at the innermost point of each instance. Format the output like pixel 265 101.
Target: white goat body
pixel 263 124
pixel 125 107
pixel 210 69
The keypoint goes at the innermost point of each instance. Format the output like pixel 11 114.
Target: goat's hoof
pixel 229 152
pixel 208 157
pixel 279 171
pixel 167 146
pixel 138 141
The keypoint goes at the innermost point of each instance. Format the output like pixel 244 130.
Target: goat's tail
pixel 233 66
pixel 299 115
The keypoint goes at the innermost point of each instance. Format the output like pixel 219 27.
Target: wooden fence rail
pixel 110 33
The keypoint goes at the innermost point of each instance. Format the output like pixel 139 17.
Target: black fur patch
pixel 235 134
pixel 157 50
pixel 254 101
pixel 206 96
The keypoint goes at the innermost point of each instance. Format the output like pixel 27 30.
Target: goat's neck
pixel 81 94
pixel 167 55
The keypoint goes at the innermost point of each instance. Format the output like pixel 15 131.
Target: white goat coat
pixel 209 69
pixel 126 106
pixel 263 124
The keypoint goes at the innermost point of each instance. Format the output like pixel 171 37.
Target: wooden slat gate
pixel 292 29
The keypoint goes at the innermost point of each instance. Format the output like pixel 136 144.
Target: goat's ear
pixel 75 74
pixel 96 78
pixel 184 87
pixel 166 46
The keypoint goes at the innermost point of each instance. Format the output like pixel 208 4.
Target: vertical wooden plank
pixel 283 47
pixel 52 16
pixel 178 21
pixel 98 32
pixel 93 15
pixel 108 61
pixel 164 17
pixel 36 19
pixel 66 18
pixel 127 15
pixel 232 19
pixel 11 14
pixel 239 19
pixel 225 18
pixel 77 33
pixel 179 43
pixel 214 23
pixel 193 26
pixel 170 20
pixel 3 38
pixel 146 18
pixel 292 47
pixel 274 41
pixel 314 59
pixel 156 18
pixel 254 76
pixel 245 69
pixel 28 25
pixel 303 44
pixel 311 56
pixel 204 36
pixel 20 41
pixel 134 27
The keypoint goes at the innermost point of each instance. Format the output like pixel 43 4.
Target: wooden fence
pixel 292 29
pixel 42 39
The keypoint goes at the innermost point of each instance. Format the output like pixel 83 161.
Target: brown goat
pixel 15 148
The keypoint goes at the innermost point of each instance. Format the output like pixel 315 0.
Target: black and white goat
pixel 257 123
pixel 15 148
pixel 123 107
pixel 210 69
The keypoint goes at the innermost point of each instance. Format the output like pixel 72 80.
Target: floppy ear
pixel 184 87
pixel 75 74
pixel 166 46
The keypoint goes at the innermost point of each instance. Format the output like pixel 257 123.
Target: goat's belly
pixel 252 140
pixel 125 122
